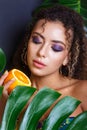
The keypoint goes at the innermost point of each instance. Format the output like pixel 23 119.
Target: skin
pixel 4 97
pixel 49 74
pixel 43 52
pixel 44 63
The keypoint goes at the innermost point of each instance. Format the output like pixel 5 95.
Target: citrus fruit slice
pixel 20 79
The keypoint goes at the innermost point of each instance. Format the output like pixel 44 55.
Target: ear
pixel 65 62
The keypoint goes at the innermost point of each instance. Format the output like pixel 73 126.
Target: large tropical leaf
pixel 79 123
pixel 60 112
pixel 1 90
pixel 39 105
pixel 2 60
pixel 15 103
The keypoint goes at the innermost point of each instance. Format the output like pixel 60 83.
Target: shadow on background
pixel 14 16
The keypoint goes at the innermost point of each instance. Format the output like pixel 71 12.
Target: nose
pixel 42 52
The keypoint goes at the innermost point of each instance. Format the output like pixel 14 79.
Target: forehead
pixel 55 30
pixel 50 29
pixel 44 24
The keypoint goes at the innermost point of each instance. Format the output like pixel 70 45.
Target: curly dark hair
pixel 77 66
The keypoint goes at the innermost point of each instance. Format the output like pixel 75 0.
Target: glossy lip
pixel 38 64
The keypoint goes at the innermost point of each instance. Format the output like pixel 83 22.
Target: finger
pixel 3 77
pixel 6 86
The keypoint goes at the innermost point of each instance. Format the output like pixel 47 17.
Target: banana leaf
pixel 83 12
pixel 1 90
pixel 39 105
pixel 68 1
pixel 60 112
pixel 2 60
pixel 79 123
pixel 83 3
pixel 15 103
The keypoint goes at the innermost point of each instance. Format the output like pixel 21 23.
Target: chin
pixel 36 73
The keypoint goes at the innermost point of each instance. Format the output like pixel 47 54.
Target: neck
pixel 53 81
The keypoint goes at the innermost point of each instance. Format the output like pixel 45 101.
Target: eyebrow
pixel 55 41
pixel 39 35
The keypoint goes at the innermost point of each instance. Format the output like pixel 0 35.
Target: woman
pixel 55 53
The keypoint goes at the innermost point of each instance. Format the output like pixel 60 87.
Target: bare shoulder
pixel 83 84
pixel 82 89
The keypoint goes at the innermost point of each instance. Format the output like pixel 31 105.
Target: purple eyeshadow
pixel 36 39
pixel 57 47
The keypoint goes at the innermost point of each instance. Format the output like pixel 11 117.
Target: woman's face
pixel 47 48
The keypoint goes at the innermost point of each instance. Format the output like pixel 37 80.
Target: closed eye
pixel 36 40
pixel 57 48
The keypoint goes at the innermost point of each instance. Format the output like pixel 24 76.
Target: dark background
pixel 14 16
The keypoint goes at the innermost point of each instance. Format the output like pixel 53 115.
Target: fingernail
pixel 6 72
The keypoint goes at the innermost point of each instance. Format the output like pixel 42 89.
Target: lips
pixel 38 64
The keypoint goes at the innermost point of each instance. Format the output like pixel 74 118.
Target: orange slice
pixel 20 79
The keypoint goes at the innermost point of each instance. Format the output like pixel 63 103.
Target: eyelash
pixel 55 48
pixel 36 40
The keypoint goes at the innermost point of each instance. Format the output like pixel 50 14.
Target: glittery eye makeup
pixel 56 45
pixel 57 48
pixel 36 40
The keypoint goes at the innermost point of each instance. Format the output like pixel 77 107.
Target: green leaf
pixel 2 60
pixel 39 105
pixel 1 90
pixel 60 112
pixel 68 1
pixel 15 103
pixel 79 123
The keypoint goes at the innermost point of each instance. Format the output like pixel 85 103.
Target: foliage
pixel 79 6
pixel 1 90
pixel 40 103
pixel 2 60
pixel 2 66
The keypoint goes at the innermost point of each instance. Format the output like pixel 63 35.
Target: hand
pixel 5 90
pixel 5 95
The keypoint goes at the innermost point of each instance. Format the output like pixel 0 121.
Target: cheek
pixel 57 62
pixel 29 53
pixel 58 59
pixel 30 49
